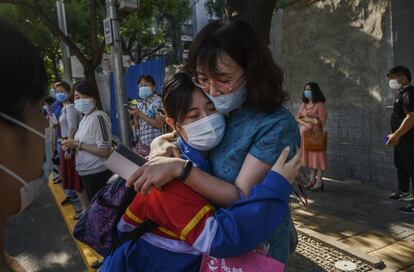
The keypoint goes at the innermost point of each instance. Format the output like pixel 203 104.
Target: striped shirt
pixel 94 129
pixel 150 107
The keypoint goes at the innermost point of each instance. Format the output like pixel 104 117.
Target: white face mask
pixel 206 133
pixel 394 84
pixel 84 105
pixel 228 102
pixel 32 189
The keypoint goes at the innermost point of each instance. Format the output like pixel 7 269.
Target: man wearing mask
pixel 402 136
pixel 147 114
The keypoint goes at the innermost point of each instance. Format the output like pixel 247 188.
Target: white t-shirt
pixel 69 119
pixel 94 129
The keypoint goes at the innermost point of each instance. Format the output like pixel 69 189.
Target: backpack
pixel 97 226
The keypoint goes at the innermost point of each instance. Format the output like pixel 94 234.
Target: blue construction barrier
pixel 156 68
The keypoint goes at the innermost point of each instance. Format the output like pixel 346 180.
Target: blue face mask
pixel 308 94
pixel 144 92
pixel 61 97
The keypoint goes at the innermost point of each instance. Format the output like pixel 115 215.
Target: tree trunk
pixel 257 13
pixel 89 73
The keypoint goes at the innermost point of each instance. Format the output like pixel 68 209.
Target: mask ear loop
pixel 17 122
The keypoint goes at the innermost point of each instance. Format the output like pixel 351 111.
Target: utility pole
pixel 113 38
pixel 60 9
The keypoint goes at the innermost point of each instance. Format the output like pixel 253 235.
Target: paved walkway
pixel 88 255
pixel 39 239
pixel 360 217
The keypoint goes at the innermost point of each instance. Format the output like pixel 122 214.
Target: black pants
pixel 404 162
pixel 94 182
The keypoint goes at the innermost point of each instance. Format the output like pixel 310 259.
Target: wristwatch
pixel 186 170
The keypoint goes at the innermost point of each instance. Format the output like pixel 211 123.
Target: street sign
pixel 127 6
pixel 108 32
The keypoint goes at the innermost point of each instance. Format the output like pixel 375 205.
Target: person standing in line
pixel 402 136
pixel 147 115
pixel 92 141
pixel 312 116
pixel 68 123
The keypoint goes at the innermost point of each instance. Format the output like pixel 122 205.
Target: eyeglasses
pixel 222 85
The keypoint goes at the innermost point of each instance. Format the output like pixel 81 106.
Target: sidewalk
pixel 88 255
pixel 39 239
pixel 360 218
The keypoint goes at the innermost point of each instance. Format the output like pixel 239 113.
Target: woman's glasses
pixel 222 85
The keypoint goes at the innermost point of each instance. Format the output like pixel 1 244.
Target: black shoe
pixel 77 216
pixel 399 195
pixel 407 209
pixel 68 200
pixel 97 264
pixel 78 210
pixel 57 181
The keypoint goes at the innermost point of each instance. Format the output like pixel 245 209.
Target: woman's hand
pixel 290 169
pixel 308 126
pixel 70 144
pixel 155 173
pixel 162 147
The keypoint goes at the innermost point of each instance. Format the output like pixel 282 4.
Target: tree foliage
pixel 39 34
pixel 155 25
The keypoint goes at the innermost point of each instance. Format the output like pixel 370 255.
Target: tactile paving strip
pixel 313 256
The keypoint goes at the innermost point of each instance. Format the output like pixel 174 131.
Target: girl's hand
pixel 70 144
pixel 290 169
pixel 155 173
pixel 163 146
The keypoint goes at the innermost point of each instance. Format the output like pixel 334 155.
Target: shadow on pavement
pixel 39 239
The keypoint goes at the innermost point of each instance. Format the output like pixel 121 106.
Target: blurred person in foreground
pixel 25 138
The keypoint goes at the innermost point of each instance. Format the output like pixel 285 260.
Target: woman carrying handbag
pixel 312 118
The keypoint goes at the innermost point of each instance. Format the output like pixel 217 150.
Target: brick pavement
pixel 360 217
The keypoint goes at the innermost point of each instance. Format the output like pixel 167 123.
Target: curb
pixel 324 239
pixel 88 255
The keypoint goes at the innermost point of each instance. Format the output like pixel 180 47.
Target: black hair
pixel 178 95
pixel 317 95
pixel 87 88
pixel 147 78
pixel 399 71
pixel 22 73
pixel 238 40
pixel 63 84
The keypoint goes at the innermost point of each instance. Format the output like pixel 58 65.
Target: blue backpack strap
pixel 190 153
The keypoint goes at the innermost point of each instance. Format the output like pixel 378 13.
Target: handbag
pixel 249 262
pixel 315 140
pixel 97 226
